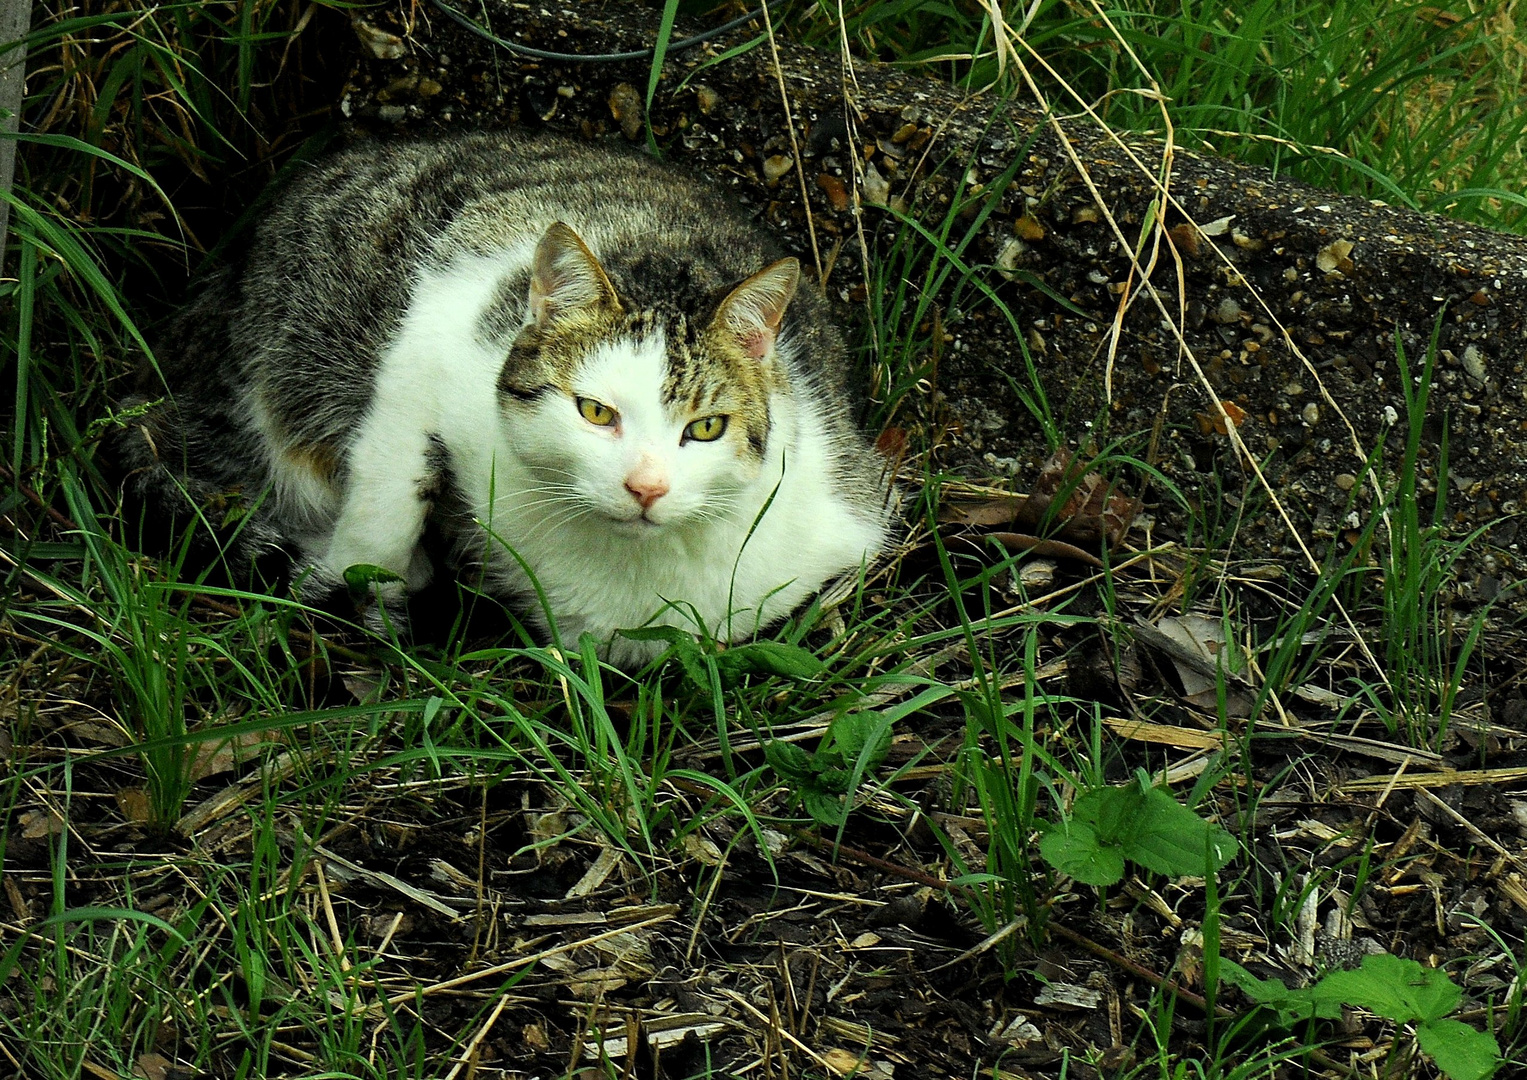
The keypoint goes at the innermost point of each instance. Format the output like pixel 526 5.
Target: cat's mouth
pixel 638 525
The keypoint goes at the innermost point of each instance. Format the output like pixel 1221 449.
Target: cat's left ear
pixel 566 276
pixel 752 312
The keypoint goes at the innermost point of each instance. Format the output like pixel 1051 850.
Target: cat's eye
pixel 595 412
pixel 706 429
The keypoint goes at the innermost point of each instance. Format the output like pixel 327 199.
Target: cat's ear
pixel 566 276
pixel 752 312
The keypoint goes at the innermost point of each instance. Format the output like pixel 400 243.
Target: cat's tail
pixel 189 469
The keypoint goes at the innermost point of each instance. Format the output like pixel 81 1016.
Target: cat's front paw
pixel 318 587
pixel 377 600
pixel 385 611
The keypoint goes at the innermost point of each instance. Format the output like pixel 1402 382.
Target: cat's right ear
pixel 752 313
pixel 566 277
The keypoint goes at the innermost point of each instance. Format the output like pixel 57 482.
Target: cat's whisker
pixel 555 520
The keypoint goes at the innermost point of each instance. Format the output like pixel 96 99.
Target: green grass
pixel 215 804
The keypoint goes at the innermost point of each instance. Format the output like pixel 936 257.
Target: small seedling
pixel 854 745
pixel 1138 823
pixel 1397 989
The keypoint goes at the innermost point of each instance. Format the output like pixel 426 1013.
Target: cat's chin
pixel 638 526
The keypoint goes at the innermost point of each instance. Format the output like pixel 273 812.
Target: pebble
pixel 1474 365
pixel 1346 481
pixel 777 166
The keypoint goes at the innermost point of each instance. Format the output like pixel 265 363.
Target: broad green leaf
pixel 362 575
pixel 825 808
pixel 1170 839
pixel 683 645
pixel 852 733
pixel 788 760
pixel 831 776
pixel 1074 848
pixel 1292 1006
pixel 1460 1051
pixel 1114 812
pixel 1262 991
pixel 1397 989
pixel 770 658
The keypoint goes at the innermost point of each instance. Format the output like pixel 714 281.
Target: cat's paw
pixel 381 606
pixel 385 612
pixel 317 586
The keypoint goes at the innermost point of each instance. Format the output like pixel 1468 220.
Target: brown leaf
pixel 88 731
pixel 628 109
pixel 998 510
pixel 1029 228
pixel 153 1066
pixel 1184 238
pixel 1052 549
pixel 219 757
pixel 1214 421
pixel 892 443
pixel 36 824
pixel 134 806
pixel 1335 257
pixel 1090 512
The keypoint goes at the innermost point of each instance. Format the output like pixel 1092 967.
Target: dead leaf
pixel 877 189
pixel 891 444
pixel 1091 510
pixel 1215 421
pixel 1068 996
pixel 595 984
pixel 1184 238
pixel 19 906
pixel 153 1066
pixel 998 510
pixel 1202 659
pixel 701 849
pixel 88 731
pixel 365 687
pixel 628 109
pixel 220 757
pixel 1054 549
pixel 133 804
pixel 1029 228
pixel 38 823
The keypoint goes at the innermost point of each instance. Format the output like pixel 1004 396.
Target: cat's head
pixel 650 419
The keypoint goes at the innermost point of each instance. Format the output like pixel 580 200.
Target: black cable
pixel 598 58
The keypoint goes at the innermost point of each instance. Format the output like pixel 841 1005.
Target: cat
pixel 610 391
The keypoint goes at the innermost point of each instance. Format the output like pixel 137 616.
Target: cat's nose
pixel 646 489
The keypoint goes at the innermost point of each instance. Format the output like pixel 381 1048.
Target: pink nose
pixel 646 491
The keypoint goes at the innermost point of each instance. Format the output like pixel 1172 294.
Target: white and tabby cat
pixel 580 361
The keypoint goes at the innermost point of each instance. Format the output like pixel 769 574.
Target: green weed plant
pixel 1401 991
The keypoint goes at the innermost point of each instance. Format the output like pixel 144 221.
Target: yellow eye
pixel 595 412
pixel 706 429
